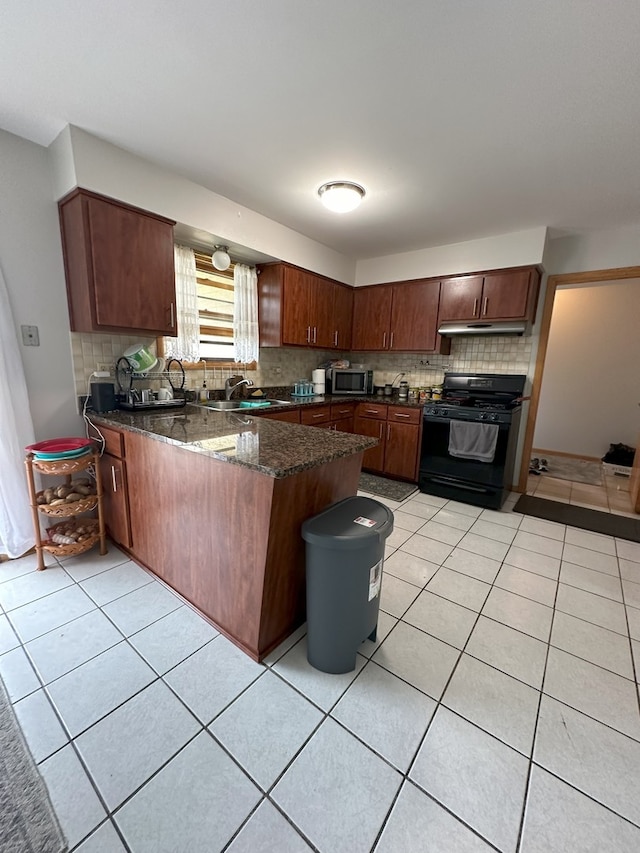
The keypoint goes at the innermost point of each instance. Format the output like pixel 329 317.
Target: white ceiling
pixel 461 118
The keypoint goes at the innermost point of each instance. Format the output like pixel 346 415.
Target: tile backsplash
pixel 283 366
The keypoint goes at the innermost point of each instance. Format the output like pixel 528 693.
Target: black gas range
pixel 469 438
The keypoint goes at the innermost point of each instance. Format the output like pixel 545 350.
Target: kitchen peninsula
pixel 212 503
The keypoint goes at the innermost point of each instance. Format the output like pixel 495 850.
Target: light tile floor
pixel 498 709
pixel 611 496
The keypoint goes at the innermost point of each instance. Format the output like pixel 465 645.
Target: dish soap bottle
pixel 403 391
pixel 204 395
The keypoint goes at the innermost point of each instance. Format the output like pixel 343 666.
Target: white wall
pixel 84 160
pixel 598 250
pixel 591 383
pixel 31 258
pixel 521 248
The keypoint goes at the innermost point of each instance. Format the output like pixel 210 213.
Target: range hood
pixel 480 328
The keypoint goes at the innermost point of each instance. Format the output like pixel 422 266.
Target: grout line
pixel 327 714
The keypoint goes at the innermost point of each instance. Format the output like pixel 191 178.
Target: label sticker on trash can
pixel 375 579
pixel 365 522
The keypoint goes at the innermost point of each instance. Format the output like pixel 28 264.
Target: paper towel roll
pixel 318 377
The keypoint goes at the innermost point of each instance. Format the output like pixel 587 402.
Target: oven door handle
pixel 450 481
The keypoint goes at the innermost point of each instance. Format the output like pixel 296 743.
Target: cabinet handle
pixel 372 411
pixel 344 412
pixel 319 416
pixel 308 334
pixel 113 478
pixel 384 340
pixel 484 309
pixel 314 334
pixel 381 428
pixel 172 312
pixel 388 431
pixel 475 307
pixel 391 341
pixel 398 415
pixel 335 338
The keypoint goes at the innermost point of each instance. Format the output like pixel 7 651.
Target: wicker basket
pixel 66 510
pixel 63 466
pixel 62 550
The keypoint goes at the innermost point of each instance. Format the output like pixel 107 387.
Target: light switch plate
pixel 30 336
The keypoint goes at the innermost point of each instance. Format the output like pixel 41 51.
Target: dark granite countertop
pixel 268 446
pixel 341 398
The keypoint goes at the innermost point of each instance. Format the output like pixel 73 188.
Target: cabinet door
pixel 342 307
pixel 371 317
pixel 322 331
pixel 133 268
pixel 414 316
pixel 505 296
pixel 373 459
pixel 298 307
pixel 460 298
pixel 115 501
pixel 343 425
pixel 401 452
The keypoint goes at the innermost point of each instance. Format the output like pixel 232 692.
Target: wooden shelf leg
pixel 34 513
pixel 101 523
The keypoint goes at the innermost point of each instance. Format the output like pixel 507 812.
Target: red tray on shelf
pixel 59 445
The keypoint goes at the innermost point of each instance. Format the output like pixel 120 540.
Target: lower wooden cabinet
pixel 316 416
pixel 290 417
pixel 113 471
pixel 399 429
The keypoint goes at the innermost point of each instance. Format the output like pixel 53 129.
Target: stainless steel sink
pixel 228 405
pixel 235 405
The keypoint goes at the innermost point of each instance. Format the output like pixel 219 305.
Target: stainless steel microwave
pixel 349 380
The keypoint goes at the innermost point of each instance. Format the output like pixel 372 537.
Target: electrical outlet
pixel 277 371
pixel 104 367
pixel 30 336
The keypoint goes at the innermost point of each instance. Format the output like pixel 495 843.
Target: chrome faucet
pixel 229 388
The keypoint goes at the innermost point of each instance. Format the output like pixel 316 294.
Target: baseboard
pixel 537 452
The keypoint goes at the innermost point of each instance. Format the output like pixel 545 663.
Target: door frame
pixel 553 282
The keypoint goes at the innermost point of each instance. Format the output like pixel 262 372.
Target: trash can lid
pixel 348 523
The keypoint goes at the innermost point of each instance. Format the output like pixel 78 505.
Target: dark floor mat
pixel 578 516
pixel 391 489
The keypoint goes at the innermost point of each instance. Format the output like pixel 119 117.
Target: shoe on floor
pixel 543 465
pixel 535 463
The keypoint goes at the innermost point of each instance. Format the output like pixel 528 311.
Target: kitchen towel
pixel 470 440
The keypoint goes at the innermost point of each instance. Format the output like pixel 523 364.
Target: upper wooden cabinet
pixel 502 295
pixel 400 317
pixel 299 308
pixel 119 266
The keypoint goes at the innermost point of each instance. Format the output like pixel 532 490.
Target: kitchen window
pixel 216 294
pixel 215 310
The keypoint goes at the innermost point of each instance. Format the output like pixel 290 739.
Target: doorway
pixel 525 485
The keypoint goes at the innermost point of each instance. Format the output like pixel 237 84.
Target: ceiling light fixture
pixel 220 258
pixel 341 196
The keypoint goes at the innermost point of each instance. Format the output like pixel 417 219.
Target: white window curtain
pixel 245 314
pixel 186 346
pixel 16 431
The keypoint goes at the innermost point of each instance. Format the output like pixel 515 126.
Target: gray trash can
pixel 344 558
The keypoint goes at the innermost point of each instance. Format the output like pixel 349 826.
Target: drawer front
pixel 404 415
pixel 289 416
pixel 342 410
pixel 313 417
pixel 113 441
pixel 372 410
